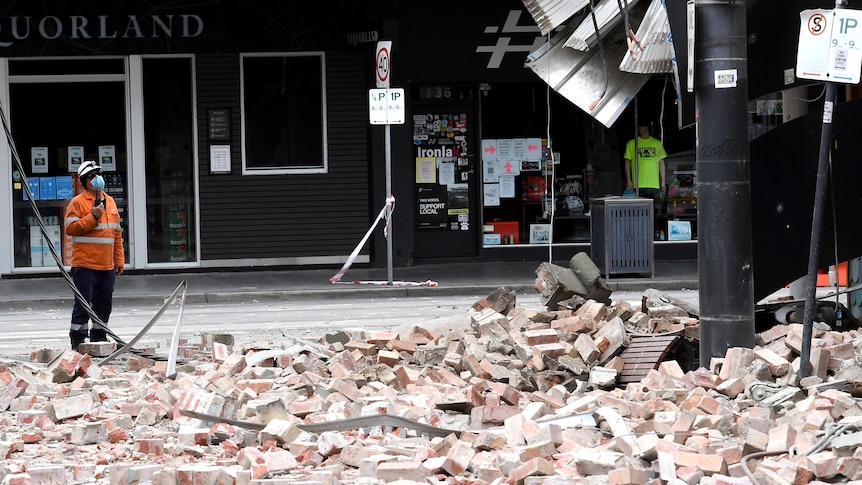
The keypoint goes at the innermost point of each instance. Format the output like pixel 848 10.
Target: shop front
pixel 499 166
pixel 227 137
pixel 238 136
pixel 63 112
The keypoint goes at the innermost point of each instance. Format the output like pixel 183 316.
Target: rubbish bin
pixel 621 235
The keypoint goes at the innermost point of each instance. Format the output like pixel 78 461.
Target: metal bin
pixel 621 235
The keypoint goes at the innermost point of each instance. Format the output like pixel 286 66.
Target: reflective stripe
pixel 94 240
pixel 107 225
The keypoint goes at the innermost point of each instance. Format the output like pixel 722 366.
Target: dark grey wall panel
pixel 285 216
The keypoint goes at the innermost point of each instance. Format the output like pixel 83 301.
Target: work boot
pixel 77 338
pixel 98 335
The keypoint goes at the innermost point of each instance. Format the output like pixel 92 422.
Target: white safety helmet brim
pixel 87 167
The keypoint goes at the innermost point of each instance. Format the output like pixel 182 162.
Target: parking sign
pixel 830 45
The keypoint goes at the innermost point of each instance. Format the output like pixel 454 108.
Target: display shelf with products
pixel 51 195
pixel 680 204
pixel 568 226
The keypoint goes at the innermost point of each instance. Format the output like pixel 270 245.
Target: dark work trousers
pixel 97 287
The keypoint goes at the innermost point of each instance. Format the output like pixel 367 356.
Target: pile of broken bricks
pixel 510 396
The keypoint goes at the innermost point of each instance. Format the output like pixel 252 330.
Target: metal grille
pixel 622 235
pixel 629 238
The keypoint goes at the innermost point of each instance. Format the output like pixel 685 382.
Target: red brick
pixel 256 385
pixel 388 357
pixel 364 348
pixel 153 446
pixel 405 470
pixel 458 458
pixel 534 467
pixel 547 336
pixel 380 339
pixel 710 464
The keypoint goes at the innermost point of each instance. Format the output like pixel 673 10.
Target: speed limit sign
pixel 382 61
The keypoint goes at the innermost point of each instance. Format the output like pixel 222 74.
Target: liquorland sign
pixel 103 27
pixel 88 27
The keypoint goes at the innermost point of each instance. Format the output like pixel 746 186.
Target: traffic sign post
pixel 386 107
pixel 840 31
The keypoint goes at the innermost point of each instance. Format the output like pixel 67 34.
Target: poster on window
pixel 489 150
pixel 426 170
pixel 491 195
pixel 507 186
pixel 108 158
pixel 458 199
pixel 534 149
pixel 504 149
pixel 509 168
pixel 519 148
pixel 432 205
pixel 39 159
pixel 447 171
pixel 75 156
pixel 489 171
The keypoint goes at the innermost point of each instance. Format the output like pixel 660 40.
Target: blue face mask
pixel 98 183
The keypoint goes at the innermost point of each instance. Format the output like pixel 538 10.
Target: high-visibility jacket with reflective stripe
pixel 95 244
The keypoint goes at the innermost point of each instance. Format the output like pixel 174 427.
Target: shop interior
pixel 581 160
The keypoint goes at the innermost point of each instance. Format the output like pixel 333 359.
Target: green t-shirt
pixel 650 152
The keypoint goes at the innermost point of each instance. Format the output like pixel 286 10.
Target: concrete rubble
pixel 524 396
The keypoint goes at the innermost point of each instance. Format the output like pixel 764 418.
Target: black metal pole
pixel 725 271
pixel 817 223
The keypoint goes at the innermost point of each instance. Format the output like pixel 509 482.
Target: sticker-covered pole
pixel 725 272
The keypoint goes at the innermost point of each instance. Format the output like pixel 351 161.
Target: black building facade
pixel 237 134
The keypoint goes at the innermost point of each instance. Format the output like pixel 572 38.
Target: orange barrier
pixel 823 275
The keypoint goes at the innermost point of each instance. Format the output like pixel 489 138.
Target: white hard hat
pixel 87 167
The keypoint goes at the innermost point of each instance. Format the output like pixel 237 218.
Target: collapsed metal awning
pixel 602 82
pixel 608 14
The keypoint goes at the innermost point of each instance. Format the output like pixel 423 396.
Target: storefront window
pixel 57 123
pixel 284 125
pixel 168 128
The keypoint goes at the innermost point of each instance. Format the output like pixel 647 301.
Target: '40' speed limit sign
pixel 382 62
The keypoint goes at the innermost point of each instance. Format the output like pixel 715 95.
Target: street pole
pixel 389 224
pixel 725 272
pixel 817 222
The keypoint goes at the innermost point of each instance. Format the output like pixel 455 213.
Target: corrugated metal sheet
pixel 550 14
pixel 579 77
pixel 607 16
pixel 655 38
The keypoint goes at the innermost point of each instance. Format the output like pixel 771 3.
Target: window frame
pixel 282 170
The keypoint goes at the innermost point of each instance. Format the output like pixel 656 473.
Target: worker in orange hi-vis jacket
pixel 93 222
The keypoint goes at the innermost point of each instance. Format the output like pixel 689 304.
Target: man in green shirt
pixel 649 165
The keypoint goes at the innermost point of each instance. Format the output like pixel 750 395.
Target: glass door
pixel 446 186
pixel 63 112
pixel 168 137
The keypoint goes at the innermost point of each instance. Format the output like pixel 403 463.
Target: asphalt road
pixel 270 324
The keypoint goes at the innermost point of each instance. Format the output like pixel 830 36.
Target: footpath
pixel 246 286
